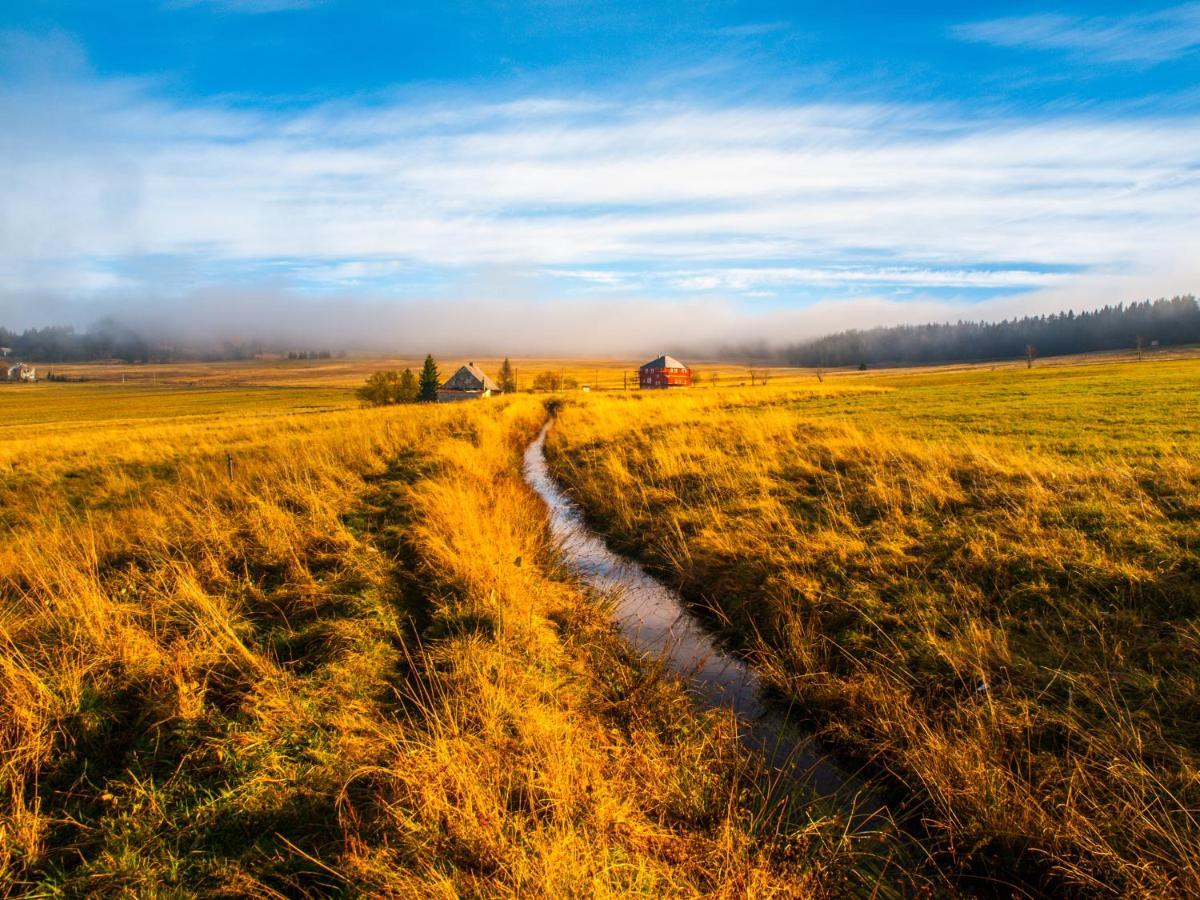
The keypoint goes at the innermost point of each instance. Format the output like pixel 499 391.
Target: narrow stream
pixel 655 619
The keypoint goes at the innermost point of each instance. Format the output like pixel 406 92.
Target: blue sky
pixel 592 175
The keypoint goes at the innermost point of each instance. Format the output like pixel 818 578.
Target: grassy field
pixel 982 582
pixel 351 665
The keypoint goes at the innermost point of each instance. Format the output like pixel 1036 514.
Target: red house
pixel 664 372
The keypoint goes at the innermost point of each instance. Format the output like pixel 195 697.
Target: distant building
pixel 468 383
pixel 21 372
pixel 664 372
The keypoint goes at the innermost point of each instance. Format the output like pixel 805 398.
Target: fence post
pixel 229 462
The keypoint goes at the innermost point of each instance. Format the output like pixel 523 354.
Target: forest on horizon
pixel 1124 326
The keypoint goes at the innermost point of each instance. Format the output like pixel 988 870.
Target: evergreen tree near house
pixel 427 387
pixel 507 377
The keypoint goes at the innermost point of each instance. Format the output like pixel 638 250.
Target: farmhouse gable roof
pixel 470 378
pixel 664 362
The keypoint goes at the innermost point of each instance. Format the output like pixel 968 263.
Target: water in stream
pixel 655 619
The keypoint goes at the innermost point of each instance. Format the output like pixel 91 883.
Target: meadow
pixel 259 641
pixel 980 582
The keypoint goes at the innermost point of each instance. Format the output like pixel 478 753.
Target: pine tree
pixel 507 378
pixel 428 385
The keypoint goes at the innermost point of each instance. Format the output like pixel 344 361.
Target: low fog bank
pixel 208 321
pixel 211 321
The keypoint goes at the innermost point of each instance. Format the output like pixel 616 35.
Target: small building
pixel 664 372
pixel 468 383
pixel 21 372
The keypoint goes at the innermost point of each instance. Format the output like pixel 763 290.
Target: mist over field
pixel 517 323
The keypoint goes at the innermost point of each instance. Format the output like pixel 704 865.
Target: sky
pixel 542 176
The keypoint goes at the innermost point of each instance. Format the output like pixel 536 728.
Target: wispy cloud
pixel 769 279
pixel 244 6
pixel 1134 38
pixel 753 29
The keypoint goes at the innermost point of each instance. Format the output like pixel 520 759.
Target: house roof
pixel 470 378
pixel 664 362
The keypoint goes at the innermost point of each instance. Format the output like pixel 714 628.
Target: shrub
pixel 388 388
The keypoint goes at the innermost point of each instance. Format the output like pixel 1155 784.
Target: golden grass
pixel 984 582
pixel 351 667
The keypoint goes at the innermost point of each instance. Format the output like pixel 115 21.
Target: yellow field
pixel 352 665
pixel 984 583
pixel 260 640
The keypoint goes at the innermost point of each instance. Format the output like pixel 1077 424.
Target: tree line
pixel 109 339
pixel 1159 322
pixel 310 354
pixel 62 343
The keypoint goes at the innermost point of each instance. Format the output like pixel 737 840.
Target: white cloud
pixel 121 175
pixel 741 280
pixel 598 277
pixel 1136 37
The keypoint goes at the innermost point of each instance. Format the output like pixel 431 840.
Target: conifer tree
pixel 428 384
pixel 507 378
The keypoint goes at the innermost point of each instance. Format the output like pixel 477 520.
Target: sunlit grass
pixel 984 582
pixel 261 641
pixel 350 663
